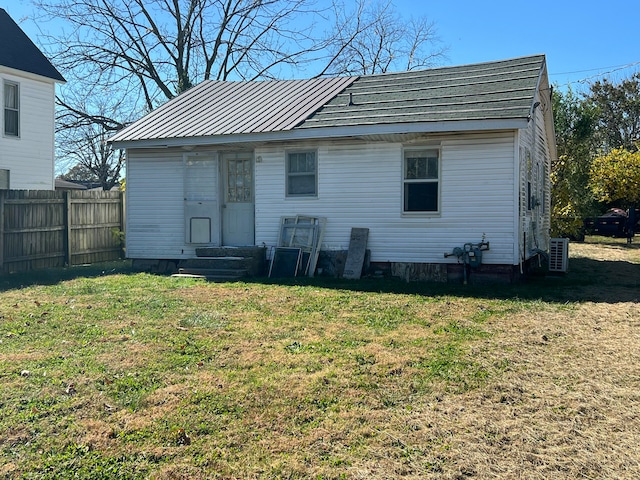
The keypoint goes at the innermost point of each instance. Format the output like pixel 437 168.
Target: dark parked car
pixel 614 223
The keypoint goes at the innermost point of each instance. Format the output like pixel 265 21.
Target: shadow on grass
pixel 608 281
pixel 51 276
pixel 588 280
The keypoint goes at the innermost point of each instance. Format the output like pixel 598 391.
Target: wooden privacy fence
pixel 42 229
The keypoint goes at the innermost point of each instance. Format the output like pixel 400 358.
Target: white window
pixel 302 174
pixel 11 109
pixel 421 173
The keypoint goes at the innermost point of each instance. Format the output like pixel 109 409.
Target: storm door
pixel 202 210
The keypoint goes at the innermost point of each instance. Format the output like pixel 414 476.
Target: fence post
pixel 67 228
pixel 3 194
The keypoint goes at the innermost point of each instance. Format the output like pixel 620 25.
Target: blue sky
pixel 583 40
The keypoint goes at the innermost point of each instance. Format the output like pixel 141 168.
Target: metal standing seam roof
pixel 19 52
pixel 501 90
pixel 225 108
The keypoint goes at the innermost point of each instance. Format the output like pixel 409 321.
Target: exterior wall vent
pixel 559 255
pixel 4 179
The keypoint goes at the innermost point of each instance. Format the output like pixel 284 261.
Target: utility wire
pixel 611 69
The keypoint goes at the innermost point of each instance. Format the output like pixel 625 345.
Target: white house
pixel 28 82
pixel 426 160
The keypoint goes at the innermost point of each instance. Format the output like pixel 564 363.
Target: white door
pixel 238 223
pixel 202 210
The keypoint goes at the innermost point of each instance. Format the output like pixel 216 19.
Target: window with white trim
pixel 11 109
pixel 302 174
pixel 421 180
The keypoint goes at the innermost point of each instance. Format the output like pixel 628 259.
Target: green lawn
pixel 107 373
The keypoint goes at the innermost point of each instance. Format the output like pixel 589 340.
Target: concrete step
pixel 219 274
pixel 252 266
pixel 259 253
pixel 216 262
pixel 251 259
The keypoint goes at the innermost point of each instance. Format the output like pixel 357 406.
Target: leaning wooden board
pixel 356 253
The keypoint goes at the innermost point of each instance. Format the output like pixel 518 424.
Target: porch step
pixel 219 274
pixel 226 262
pixel 246 252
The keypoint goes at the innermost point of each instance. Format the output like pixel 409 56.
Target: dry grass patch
pixel 565 408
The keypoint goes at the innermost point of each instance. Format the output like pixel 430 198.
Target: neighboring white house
pixel 28 82
pixel 426 160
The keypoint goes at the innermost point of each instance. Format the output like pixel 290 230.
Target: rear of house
pixel 426 161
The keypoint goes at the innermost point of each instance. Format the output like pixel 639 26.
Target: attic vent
pixel 559 255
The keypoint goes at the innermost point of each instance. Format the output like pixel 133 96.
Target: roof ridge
pixel 531 59
pixel 357 87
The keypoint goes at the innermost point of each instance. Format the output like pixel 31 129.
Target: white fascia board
pixel 28 75
pixel 328 132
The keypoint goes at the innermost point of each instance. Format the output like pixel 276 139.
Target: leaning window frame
pixel 15 109
pixel 287 173
pixel 438 181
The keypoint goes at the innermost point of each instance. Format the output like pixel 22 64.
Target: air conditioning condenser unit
pixel 559 255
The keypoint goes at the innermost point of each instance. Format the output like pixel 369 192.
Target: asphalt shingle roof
pixel 486 91
pixel 19 52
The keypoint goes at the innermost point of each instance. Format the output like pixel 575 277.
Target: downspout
pixel 516 196
pixel 535 214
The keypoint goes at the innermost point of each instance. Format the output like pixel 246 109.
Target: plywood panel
pixel 356 253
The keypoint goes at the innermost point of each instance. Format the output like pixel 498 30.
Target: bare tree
pixel 152 50
pixel 83 128
pixel 134 55
pixel 86 151
pixel 373 38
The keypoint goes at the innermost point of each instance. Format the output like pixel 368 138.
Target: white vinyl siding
pixel 30 156
pixel 360 185
pixel 535 188
pixel 478 174
pixel 156 204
